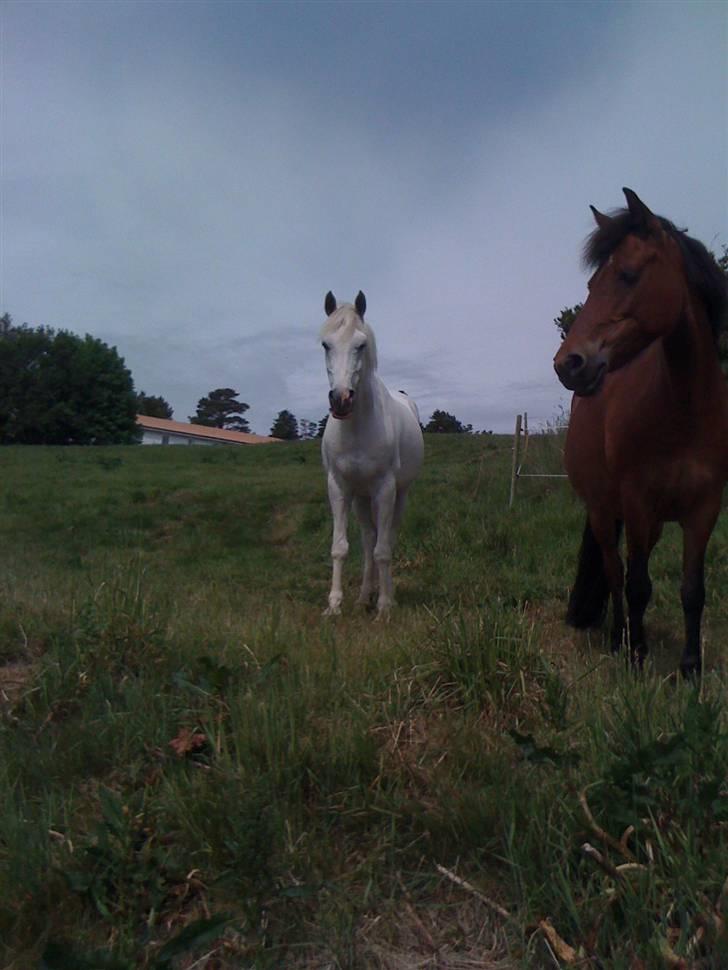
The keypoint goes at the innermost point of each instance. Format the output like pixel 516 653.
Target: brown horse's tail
pixel 590 593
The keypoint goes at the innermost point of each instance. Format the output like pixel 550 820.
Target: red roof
pixel 202 431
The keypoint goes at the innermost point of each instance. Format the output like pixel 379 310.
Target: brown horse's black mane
pixel 703 273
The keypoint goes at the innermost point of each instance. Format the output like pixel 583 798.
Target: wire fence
pixel 546 452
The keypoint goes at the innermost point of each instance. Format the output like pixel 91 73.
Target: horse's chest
pixel 359 470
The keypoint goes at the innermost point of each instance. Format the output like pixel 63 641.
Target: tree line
pixel 222 409
pixel 57 388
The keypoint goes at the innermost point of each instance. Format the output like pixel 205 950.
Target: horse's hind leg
pixel 696 533
pixel 363 509
pixel 399 505
pixel 384 504
pixel 608 533
pixel 388 515
pixel 638 589
pixel 599 576
pixel 590 592
pixel 642 536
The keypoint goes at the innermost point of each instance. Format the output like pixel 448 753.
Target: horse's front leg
pixel 340 503
pixel 363 508
pixel 383 508
pixel 696 533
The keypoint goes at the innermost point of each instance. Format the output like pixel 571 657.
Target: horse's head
pixel 350 350
pixel 637 294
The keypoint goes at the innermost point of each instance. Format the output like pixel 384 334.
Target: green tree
pixel 307 429
pixel 221 409
pixel 322 426
pixel 153 406
pixel 441 422
pixel 285 426
pixel 566 318
pixel 58 388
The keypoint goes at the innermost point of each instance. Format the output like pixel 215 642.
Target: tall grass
pixel 196 766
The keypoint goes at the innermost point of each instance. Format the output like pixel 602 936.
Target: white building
pixel 160 431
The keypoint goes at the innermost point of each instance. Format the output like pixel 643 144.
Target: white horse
pixel 372 451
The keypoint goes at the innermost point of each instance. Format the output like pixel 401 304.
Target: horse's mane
pixel 345 317
pixel 702 271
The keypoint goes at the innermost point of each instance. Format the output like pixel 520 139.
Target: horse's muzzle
pixel 582 375
pixel 341 403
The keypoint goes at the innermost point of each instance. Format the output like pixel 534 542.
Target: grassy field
pixel 197 769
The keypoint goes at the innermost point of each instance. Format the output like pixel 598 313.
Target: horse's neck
pixel 691 359
pixel 370 398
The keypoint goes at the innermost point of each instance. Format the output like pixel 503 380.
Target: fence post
pixel 514 468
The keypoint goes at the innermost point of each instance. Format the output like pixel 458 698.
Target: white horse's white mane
pixel 346 320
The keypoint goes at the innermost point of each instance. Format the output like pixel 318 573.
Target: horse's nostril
pixel 574 363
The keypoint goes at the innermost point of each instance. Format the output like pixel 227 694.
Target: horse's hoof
pixel 691 668
pixel 332 611
pixel 617 640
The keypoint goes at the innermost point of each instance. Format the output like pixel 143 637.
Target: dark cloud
pixel 187 181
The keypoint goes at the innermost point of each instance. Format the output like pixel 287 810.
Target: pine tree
pixel 285 426
pixel 221 409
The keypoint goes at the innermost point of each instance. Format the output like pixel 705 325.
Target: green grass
pixel 323 769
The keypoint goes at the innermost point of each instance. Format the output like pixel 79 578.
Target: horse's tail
pixel 590 593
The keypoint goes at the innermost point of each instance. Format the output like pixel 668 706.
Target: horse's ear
pixel 601 220
pixel 329 303
pixel 360 303
pixel 642 217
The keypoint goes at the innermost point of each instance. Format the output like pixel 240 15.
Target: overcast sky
pixel 187 180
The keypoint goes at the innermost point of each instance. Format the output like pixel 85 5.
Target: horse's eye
pixel 628 276
pixel 324 345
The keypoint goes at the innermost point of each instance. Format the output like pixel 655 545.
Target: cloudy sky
pixel 187 180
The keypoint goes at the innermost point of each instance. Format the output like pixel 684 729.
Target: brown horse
pixel 648 435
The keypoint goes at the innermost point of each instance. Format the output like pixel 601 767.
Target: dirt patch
pixel 448 933
pixel 14 677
